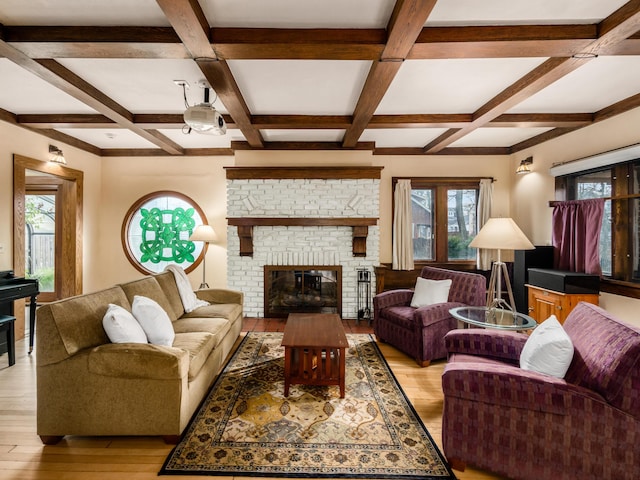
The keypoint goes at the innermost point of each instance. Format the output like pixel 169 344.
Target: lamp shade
pixel 203 233
pixel 501 234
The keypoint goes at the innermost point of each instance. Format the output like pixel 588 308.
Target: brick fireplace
pixel 301 218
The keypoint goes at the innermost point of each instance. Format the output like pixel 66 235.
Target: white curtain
pixel 402 227
pixel 484 213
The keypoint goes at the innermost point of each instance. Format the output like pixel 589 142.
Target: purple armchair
pixel 527 425
pixel 419 332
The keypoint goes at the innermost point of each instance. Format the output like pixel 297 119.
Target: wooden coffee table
pixel 314 350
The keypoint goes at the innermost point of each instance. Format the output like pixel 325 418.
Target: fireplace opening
pixel 302 289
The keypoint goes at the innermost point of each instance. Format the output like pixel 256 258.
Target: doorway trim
pixel 70 190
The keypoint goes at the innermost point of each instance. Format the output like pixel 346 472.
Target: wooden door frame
pixel 70 190
pixel 48 185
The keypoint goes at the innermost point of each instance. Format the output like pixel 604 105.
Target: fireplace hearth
pixel 302 289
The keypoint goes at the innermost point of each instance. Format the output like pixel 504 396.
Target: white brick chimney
pixel 301 193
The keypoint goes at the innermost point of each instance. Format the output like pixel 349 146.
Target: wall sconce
pixel 56 155
pixel 523 168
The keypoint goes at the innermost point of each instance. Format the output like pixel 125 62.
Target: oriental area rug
pixel 246 427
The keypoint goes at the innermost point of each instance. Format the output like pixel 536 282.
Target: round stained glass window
pixel 156 232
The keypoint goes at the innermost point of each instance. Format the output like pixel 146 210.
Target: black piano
pixel 14 288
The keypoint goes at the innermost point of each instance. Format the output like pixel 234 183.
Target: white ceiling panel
pixel 320 87
pixel 298 13
pixel 505 12
pixel 451 86
pixel 109 137
pixel 82 12
pixel 136 67
pixel 147 86
pixel 198 140
pixel 334 135
pixel 589 88
pixel 398 137
pixel 498 136
pixel 22 92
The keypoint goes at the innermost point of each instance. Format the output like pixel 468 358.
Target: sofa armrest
pixel 391 298
pixel 486 343
pixel 511 387
pixel 138 360
pixel 220 295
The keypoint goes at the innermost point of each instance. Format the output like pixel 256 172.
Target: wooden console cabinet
pixel 543 303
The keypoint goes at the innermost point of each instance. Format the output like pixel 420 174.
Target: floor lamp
pixel 206 234
pixel 500 234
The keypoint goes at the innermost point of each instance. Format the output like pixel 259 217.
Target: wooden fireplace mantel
pixel 359 225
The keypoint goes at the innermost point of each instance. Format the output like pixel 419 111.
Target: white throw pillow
pixel 154 320
pixel 121 326
pixel 548 349
pixel 430 292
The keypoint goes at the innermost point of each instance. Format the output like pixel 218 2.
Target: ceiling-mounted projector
pixel 203 118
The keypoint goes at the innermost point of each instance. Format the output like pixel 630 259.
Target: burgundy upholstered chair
pixel 419 332
pixel 530 426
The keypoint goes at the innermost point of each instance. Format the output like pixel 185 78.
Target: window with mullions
pixel 619 243
pixel 444 215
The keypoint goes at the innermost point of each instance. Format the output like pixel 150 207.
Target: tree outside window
pixel 444 215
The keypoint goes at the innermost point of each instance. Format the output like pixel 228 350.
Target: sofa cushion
pixel 121 326
pixel 150 288
pixel 548 350
pixel 430 292
pixel 79 319
pixel 217 327
pixel 154 321
pixel 167 282
pixel 401 315
pixel 230 311
pixel 199 345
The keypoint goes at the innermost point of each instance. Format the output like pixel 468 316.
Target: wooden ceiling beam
pixel 300 44
pixel 621 24
pixel 314 122
pixel 95 42
pixel 543 137
pixel 502 41
pixel 68 82
pixel 190 23
pixel 405 24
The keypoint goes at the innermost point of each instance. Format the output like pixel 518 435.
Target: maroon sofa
pixel 419 332
pixel 526 425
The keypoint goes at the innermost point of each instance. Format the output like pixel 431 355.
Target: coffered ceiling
pixel 396 77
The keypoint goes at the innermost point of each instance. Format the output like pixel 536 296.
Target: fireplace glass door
pixel 302 289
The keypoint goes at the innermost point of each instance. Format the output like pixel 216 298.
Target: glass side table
pixel 498 318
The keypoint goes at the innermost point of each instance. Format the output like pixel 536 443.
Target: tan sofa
pixel 89 386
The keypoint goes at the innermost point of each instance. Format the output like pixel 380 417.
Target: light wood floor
pixel 22 455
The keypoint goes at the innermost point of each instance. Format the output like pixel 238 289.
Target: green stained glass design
pixel 158 232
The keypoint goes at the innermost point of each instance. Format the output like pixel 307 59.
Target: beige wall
pixel 17 140
pixel 530 194
pixel 113 184
pixel 125 180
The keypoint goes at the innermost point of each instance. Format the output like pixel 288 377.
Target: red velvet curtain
pixel 576 235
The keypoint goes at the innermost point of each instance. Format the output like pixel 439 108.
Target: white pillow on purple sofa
pixel 430 292
pixel 548 349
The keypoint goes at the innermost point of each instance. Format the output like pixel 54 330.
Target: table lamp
pixel 500 234
pixel 206 234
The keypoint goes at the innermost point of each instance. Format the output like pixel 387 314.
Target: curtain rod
pixel 553 203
